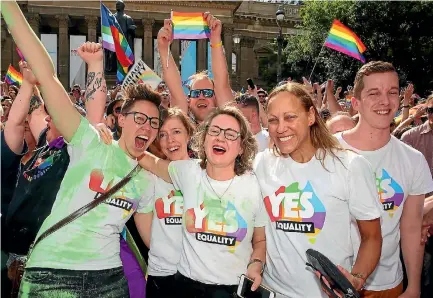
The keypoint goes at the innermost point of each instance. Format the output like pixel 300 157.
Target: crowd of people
pixel 211 184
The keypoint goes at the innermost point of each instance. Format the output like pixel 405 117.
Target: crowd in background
pixel 232 183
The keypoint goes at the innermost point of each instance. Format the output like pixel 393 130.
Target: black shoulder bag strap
pixel 83 210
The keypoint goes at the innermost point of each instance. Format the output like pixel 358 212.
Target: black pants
pixel 161 287
pixel 188 288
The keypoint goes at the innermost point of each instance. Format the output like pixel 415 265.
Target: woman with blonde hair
pixel 311 189
pixel 223 225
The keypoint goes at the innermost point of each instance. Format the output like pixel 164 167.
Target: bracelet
pixel 405 107
pixel 360 276
pixel 257 261
pixel 216 45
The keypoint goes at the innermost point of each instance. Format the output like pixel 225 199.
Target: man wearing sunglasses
pixel 421 137
pixel 201 97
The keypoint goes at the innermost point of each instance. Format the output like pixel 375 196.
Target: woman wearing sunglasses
pixel 223 224
pixel 205 94
pixel 312 188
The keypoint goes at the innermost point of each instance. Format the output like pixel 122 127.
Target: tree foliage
pixel 397 32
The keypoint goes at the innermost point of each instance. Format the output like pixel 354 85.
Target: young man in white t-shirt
pixel 402 175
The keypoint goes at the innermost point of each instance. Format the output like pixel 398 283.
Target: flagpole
pixel 317 59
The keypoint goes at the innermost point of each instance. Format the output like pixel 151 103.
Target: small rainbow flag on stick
pixel 189 25
pixel 342 39
pixel 13 76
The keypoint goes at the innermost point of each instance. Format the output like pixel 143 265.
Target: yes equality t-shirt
pixel 310 206
pixel 400 171
pixel 91 242
pixel 166 233
pixel 217 232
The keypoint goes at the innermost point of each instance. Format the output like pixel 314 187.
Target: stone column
pixel 201 55
pixel 228 45
pixel 91 22
pixel 148 41
pixel 175 51
pixel 246 58
pixel 63 41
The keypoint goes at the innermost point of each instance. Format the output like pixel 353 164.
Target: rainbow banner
pixel 114 40
pixel 189 25
pixel 140 73
pixel 342 39
pixel 13 76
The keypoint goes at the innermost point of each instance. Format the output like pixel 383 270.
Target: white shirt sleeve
pixel 363 197
pixel 145 205
pixel 422 182
pixel 183 172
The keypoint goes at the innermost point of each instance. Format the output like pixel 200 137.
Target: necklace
pixel 219 197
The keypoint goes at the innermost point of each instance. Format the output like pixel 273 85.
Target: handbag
pixel 18 266
pixel 333 275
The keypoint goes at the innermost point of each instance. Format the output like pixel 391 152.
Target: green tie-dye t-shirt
pixel 91 242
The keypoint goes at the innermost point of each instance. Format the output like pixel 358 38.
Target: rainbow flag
pixel 342 39
pixel 13 76
pixel 189 25
pixel 114 40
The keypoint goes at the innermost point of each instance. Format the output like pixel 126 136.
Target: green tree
pixel 397 32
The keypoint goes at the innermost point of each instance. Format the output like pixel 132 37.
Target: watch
pixel 257 261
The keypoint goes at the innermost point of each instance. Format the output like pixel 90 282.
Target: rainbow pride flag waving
pixel 13 76
pixel 189 25
pixel 344 40
pixel 114 40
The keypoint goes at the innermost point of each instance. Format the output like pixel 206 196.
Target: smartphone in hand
pixel 251 84
pixel 244 289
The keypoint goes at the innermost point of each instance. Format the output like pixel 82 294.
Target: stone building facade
pixel 252 21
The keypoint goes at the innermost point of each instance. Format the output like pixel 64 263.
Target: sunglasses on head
pixel 118 109
pixel 208 93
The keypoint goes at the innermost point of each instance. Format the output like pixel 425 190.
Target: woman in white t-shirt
pixel 224 217
pixel 312 188
pixel 161 230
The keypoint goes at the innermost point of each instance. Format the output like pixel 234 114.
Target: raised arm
pixel 223 91
pixel 14 129
pixel 171 73
pixel 96 87
pixel 65 116
pixel 333 105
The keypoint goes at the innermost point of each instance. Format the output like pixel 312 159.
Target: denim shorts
pixel 61 283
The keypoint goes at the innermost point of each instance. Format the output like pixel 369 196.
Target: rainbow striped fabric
pixel 189 25
pixel 13 76
pixel 342 39
pixel 114 40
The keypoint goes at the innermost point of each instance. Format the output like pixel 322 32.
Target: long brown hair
pixel 321 137
pixel 244 162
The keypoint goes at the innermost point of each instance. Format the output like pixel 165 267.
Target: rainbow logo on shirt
pixel 296 211
pixel 390 193
pixel 117 200
pixel 217 223
pixel 170 208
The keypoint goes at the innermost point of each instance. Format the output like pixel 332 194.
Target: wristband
pixel 257 261
pixel 405 107
pixel 360 276
pixel 216 45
